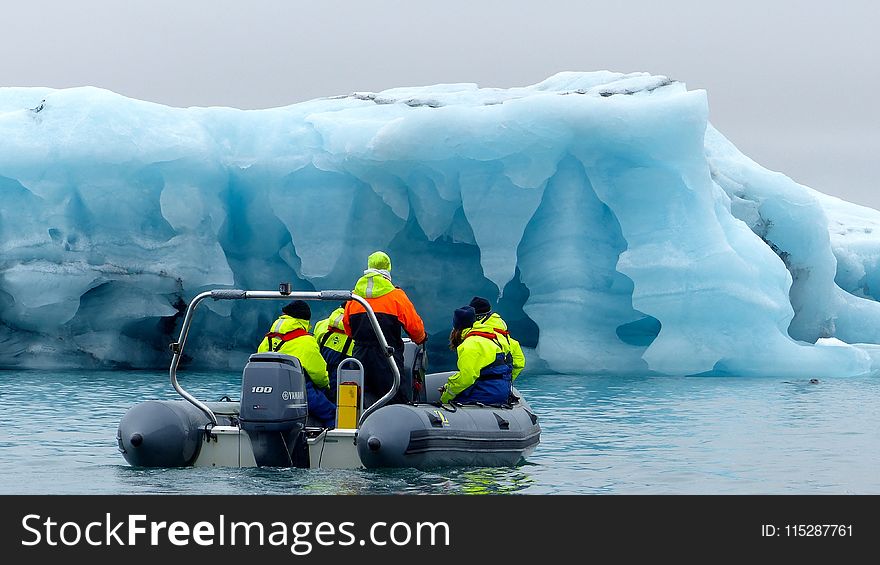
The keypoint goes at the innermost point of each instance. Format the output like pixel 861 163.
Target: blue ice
pixel 616 229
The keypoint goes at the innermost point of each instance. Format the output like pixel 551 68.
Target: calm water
pixel 600 435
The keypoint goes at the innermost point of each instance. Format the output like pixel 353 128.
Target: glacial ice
pixel 617 230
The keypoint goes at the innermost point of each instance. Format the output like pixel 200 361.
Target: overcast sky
pixel 793 84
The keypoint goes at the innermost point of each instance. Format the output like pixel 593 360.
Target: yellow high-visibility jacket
pixel 474 354
pixel 499 326
pixel 337 338
pixel 305 348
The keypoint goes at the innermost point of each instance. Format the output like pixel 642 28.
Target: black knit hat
pixel 463 317
pixel 298 309
pixel 480 305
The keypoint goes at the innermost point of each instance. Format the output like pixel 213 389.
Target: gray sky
pixel 792 84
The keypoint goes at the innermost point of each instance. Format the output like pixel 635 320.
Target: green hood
pixel 290 323
pixel 373 285
pixel 335 319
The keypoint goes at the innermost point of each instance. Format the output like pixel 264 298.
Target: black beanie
pixel 463 317
pixel 298 309
pixel 480 305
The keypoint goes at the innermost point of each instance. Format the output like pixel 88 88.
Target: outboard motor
pixel 274 407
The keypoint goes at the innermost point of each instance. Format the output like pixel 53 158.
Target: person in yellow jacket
pixel 485 315
pixel 335 344
pixel 484 363
pixel 290 335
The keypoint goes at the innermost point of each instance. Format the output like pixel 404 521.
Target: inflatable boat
pixel 269 425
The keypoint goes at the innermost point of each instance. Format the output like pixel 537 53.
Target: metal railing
pixel 283 294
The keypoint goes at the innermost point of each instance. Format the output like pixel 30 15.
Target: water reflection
pixel 494 481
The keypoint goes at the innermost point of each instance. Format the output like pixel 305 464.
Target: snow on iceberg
pixel 619 232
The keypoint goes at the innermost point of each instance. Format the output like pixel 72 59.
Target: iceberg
pixel 616 230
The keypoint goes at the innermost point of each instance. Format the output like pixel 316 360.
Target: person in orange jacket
pixel 395 313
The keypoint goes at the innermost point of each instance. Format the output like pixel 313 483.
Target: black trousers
pixel 378 378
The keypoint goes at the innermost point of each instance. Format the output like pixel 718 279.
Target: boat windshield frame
pixel 283 294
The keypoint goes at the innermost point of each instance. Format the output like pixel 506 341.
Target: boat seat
pixel 433 381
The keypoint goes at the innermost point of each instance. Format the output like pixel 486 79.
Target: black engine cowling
pixel 274 408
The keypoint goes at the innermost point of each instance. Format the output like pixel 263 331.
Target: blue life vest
pixel 493 384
